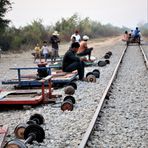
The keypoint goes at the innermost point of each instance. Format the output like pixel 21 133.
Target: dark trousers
pixel 86 52
pixel 79 66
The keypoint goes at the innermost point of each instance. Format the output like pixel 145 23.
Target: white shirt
pixel 45 49
pixel 77 36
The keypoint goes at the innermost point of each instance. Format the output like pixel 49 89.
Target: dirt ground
pixel 25 59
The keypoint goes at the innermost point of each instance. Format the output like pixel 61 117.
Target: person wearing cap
pixel 77 36
pixel 54 40
pixel 72 62
pixel 45 50
pixel 83 49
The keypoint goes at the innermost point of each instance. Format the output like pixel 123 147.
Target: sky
pixel 119 13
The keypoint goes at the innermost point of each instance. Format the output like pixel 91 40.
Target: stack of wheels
pixel 31 133
pixel 35 119
pixel 68 103
pixel 73 84
pixel 91 76
pixel 70 88
pixel 108 55
pixel 103 63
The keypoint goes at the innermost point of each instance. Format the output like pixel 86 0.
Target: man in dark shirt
pixel 72 62
pixel 54 40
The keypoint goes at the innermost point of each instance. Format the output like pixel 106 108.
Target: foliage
pixel 18 38
pixel 5 6
pixel 144 29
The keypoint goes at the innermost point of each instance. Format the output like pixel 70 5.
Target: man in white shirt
pixel 77 36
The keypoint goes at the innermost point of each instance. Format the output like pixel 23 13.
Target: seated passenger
pixel 72 62
pixel 125 36
pixel 41 73
pixel 131 33
pixel 83 49
pixel 136 33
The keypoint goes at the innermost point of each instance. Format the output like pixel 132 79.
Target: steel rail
pixel 93 121
pixel 145 58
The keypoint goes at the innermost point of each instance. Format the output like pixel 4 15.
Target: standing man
pixel 54 40
pixel 72 62
pixel 77 36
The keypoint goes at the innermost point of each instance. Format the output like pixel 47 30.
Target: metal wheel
pixel 19 130
pixel 91 78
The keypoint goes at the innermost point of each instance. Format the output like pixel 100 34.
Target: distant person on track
pixel 131 33
pixel 125 36
pixel 45 50
pixel 136 33
pixel 83 49
pixel 55 40
pixel 77 36
pixel 72 62
pixel 37 50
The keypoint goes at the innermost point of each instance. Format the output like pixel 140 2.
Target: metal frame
pixel 31 81
pixel 45 97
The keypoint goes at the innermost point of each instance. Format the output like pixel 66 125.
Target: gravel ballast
pixel 123 123
pixel 62 129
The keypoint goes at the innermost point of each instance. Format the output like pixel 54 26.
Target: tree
pixel 5 6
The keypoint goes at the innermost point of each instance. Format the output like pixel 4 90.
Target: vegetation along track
pixel 121 116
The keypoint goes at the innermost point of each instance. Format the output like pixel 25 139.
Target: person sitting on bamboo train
pixel 136 33
pixel 83 49
pixel 72 62
pixel 77 36
pixel 37 50
pixel 55 40
pixel 45 50
pixel 125 36
pixel 42 71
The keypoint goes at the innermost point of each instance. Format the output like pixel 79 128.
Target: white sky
pixel 117 12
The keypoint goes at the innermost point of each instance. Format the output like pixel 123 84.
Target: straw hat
pixel 55 33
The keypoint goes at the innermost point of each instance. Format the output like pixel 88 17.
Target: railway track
pixel 66 129
pixel 121 111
